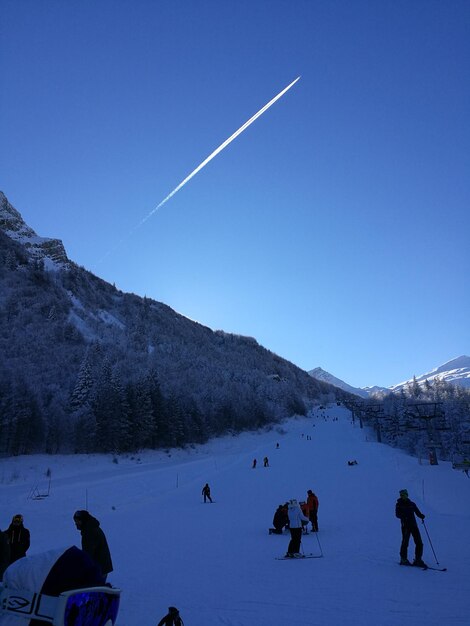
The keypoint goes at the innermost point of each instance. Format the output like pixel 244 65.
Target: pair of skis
pixel 436 569
pixel 319 556
pixel 309 555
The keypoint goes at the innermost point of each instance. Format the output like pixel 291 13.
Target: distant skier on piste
pixel 296 520
pixel 406 510
pixel 206 492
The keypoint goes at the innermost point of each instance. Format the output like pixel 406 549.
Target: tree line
pixel 421 418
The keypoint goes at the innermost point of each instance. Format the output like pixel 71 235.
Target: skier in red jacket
pixel 312 503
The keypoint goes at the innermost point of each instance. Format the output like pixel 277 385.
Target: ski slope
pixel 216 562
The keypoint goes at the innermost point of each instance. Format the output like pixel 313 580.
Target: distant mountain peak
pixel 51 251
pixel 326 377
pixel 455 371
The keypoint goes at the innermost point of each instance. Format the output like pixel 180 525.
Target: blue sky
pixel 335 229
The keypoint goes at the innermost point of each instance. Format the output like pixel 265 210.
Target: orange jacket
pixel 304 508
pixel 312 502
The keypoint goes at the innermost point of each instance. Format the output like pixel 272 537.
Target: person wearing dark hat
pixel 94 541
pixel 280 520
pixel 173 618
pixel 18 538
pixel 406 510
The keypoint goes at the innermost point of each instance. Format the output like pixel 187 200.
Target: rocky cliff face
pixel 45 248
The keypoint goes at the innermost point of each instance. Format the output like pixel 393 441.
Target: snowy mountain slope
pixel 216 561
pixel 80 356
pixel 455 371
pixel 375 390
pixel 326 377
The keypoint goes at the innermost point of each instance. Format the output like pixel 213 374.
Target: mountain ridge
pixel 455 371
pixel 107 370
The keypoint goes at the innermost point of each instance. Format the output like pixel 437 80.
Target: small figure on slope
pixel 266 461
pixel 406 510
pixel 296 520
pixel 254 464
pixel 206 492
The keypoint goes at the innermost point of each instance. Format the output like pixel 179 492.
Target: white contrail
pixel 213 154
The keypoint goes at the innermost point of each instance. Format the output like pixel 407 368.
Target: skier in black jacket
pixel 18 538
pixel 94 541
pixel 406 510
pixel 206 492
pixel 280 520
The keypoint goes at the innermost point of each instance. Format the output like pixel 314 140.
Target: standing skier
pixel 406 510
pixel 94 541
pixel 312 503
pixel 296 520
pixel 206 492
pixel 18 538
pixel 254 464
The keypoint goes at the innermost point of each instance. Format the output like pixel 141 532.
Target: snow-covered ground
pixel 216 562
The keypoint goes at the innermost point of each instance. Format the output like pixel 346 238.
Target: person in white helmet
pixel 296 520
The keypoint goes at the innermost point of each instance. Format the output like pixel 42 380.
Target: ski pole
pixel 430 542
pixel 319 545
